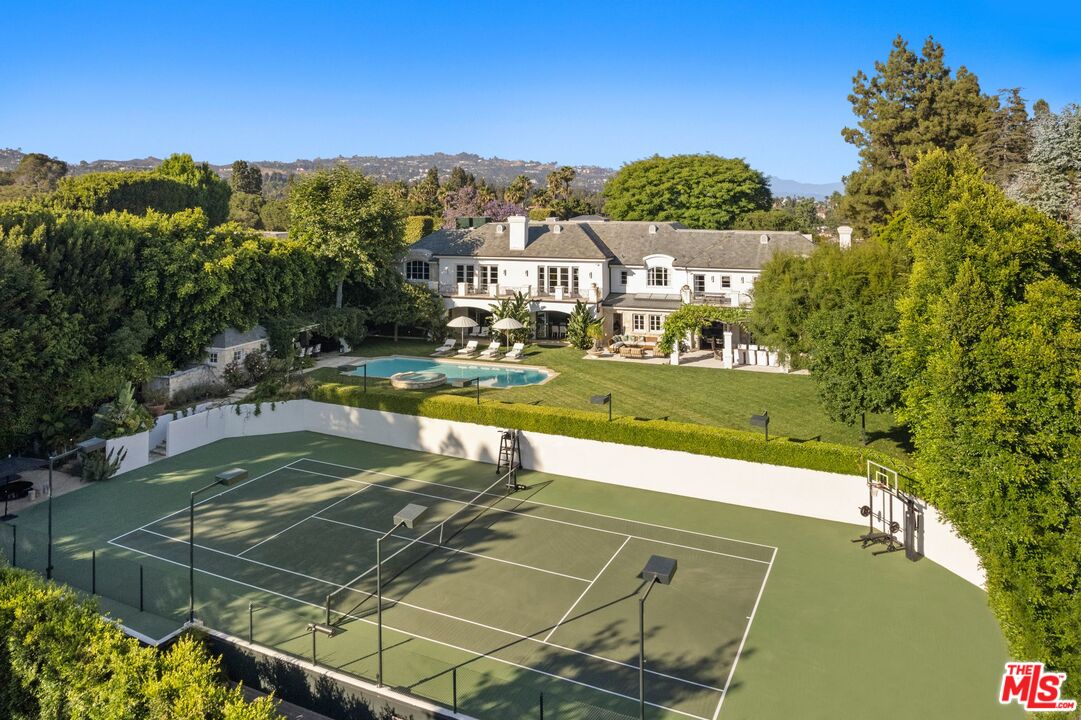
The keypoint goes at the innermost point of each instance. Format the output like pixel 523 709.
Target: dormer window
pixel 657 277
pixel 417 270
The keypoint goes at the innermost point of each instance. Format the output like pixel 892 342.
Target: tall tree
pixel 39 173
pixel 246 178
pixel 210 192
pixel 989 347
pixel 1011 139
pixel 913 103
pixel 519 190
pixel 346 217
pixel 1051 180
pixel 459 179
pixel 423 197
pixel 701 191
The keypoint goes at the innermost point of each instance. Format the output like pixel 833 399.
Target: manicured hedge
pixel 417 226
pixel 661 434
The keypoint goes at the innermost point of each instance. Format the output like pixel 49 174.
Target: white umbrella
pixel 463 322
pixel 507 324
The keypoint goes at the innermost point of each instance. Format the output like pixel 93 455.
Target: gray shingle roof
pixel 231 337
pixel 625 243
pixel 575 240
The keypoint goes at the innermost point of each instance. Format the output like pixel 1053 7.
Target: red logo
pixel 1031 687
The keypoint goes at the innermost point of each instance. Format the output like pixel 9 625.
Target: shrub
pixel 257 365
pixel 236 375
pixel 123 416
pixel 100 466
pixel 60 659
pixel 417 226
pixel 581 326
pixel 660 434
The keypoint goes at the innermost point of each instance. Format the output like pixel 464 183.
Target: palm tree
pixel 516 306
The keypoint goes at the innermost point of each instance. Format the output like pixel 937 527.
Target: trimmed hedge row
pixel 660 434
pixel 417 226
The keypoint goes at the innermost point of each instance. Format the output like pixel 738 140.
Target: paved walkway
pixel 62 484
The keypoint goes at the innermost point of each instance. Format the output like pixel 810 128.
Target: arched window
pixel 417 270
pixel 657 277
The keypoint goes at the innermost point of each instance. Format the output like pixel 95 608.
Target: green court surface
pixel 507 596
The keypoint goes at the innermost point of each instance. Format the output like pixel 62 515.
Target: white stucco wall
pixel 809 493
pixel 137 447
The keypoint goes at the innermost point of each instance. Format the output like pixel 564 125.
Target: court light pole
pixel 658 569
pixel 85 447
pixel 605 399
pixel 406 517
pixel 226 477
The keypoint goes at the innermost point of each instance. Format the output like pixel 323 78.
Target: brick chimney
pixel 519 231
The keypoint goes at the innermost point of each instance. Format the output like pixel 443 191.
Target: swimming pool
pixel 497 376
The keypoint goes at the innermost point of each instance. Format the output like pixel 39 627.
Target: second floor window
pixel 623 278
pixel 699 283
pixel 213 358
pixel 726 281
pixel 465 274
pixel 489 275
pixel 417 270
pixel 657 277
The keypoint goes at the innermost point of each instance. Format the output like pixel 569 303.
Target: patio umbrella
pixel 463 322
pixel 506 325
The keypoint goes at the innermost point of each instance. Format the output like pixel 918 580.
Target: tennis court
pixel 540 588
pixel 530 595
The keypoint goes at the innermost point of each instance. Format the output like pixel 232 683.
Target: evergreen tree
pixel 1011 141
pixel 1051 180
pixel 423 197
pixel 913 104
pixel 246 178
pixel 989 348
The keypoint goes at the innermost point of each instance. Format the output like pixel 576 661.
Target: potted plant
pixel 155 401
pixel 595 332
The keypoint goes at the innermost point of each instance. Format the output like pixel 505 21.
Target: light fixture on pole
pixel 466 382
pixel 605 399
pixel 658 569
pixel 762 421
pixel 226 477
pixel 83 448
pixel 406 517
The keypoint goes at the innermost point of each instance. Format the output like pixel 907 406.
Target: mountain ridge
pixel 495 170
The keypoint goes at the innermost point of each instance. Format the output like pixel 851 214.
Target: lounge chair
pixel 445 348
pixel 492 350
pixel 469 349
pixel 515 352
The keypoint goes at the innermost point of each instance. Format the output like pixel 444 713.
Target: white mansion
pixel 631 274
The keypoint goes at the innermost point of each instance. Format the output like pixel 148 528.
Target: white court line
pixel 544 504
pixel 419 608
pixel 595 578
pixel 533 517
pixel 419 637
pixel 739 651
pixel 301 522
pixel 208 499
pixel 455 550
pixel 226 554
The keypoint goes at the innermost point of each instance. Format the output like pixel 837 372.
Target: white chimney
pixel 519 231
pixel 844 237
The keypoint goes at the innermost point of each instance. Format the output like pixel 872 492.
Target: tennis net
pixel 349 600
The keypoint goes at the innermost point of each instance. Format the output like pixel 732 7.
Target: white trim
pixel 590 585
pixel 739 651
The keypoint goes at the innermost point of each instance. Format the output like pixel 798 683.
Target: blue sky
pixel 572 82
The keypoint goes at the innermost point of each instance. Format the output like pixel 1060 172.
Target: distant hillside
pixel 496 171
pixel 794 188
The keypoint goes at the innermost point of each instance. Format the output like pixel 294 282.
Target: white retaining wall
pixel 810 493
pixel 137 447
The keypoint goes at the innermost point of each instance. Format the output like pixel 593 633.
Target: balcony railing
pixel 733 299
pixel 474 290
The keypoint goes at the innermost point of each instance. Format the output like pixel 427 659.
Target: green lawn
pixel 709 396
